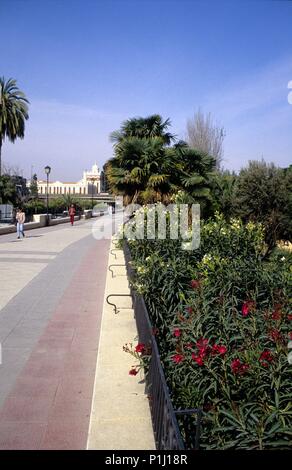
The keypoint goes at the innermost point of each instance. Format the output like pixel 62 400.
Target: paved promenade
pixel 51 297
pixel 64 381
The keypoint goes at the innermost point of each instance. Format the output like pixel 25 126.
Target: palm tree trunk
pixel 0 156
pixel 134 200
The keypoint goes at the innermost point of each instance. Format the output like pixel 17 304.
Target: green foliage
pixel 146 169
pixel 264 193
pixel 223 316
pixel 33 188
pixel 13 111
pixel 8 194
pixel 223 193
pixel 34 206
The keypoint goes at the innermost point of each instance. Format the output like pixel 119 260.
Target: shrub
pixel 223 316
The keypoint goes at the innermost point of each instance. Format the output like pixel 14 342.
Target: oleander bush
pixel 222 317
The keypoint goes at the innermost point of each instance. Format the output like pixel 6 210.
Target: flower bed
pixel 222 315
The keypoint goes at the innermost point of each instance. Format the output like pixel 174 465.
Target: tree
pixel 205 136
pixel 223 193
pixel 263 194
pixel 146 169
pixel 33 188
pixel 139 167
pixel 8 193
pixel 151 126
pixel 13 112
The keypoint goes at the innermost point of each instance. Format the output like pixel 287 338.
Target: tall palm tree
pixel 146 169
pixel 13 111
pixel 138 169
pixel 151 126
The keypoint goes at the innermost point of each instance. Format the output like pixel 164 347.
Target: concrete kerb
pixel 120 415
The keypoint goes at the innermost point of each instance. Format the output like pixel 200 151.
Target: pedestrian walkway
pixel 53 395
pixel 51 291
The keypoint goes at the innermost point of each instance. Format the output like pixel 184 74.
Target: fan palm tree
pixel 138 169
pixel 146 169
pixel 13 111
pixel 192 174
pixel 151 126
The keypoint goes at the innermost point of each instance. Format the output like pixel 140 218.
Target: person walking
pixel 72 213
pixel 20 219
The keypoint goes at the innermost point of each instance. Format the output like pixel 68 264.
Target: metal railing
pixel 169 435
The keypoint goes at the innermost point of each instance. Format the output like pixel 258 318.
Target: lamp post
pixel 92 186
pixel 47 171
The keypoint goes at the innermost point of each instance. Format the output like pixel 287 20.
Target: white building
pixel 89 184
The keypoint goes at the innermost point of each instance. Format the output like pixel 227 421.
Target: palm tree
pixel 13 112
pixel 139 168
pixel 151 126
pixel 146 169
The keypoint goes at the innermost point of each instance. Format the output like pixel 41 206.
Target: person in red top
pixel 72 213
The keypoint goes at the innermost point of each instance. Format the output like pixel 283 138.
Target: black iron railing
pixel 173 429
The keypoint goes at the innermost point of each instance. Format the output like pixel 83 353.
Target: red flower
pixel 195 284
pixel 177 332
pixel 235 366
pixel 203 346
pixel 140 348
pixel 289 317
pixel 189 310
pixel 202 343
pixel 246 307
pixel 274 334
pixel 189 346
pixel 198 359
pixel 133 372
pixel 177 358
pixel 238 368
pixel 219 349
pixel 276 315
pixel 266 357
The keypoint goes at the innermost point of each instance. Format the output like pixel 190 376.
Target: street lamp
pixel 47 171
pixel 92 187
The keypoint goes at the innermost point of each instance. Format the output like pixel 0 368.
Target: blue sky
pixel 86 65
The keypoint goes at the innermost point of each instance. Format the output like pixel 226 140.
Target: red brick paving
pixel 49 406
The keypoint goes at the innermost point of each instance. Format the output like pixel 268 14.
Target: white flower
pixel 206 258
pixel 141 269
pixel 283 258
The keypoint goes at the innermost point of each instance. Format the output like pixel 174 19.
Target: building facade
pixel 90 184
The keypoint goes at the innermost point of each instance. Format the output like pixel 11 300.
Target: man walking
pixel 72 213
pixel 20 218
